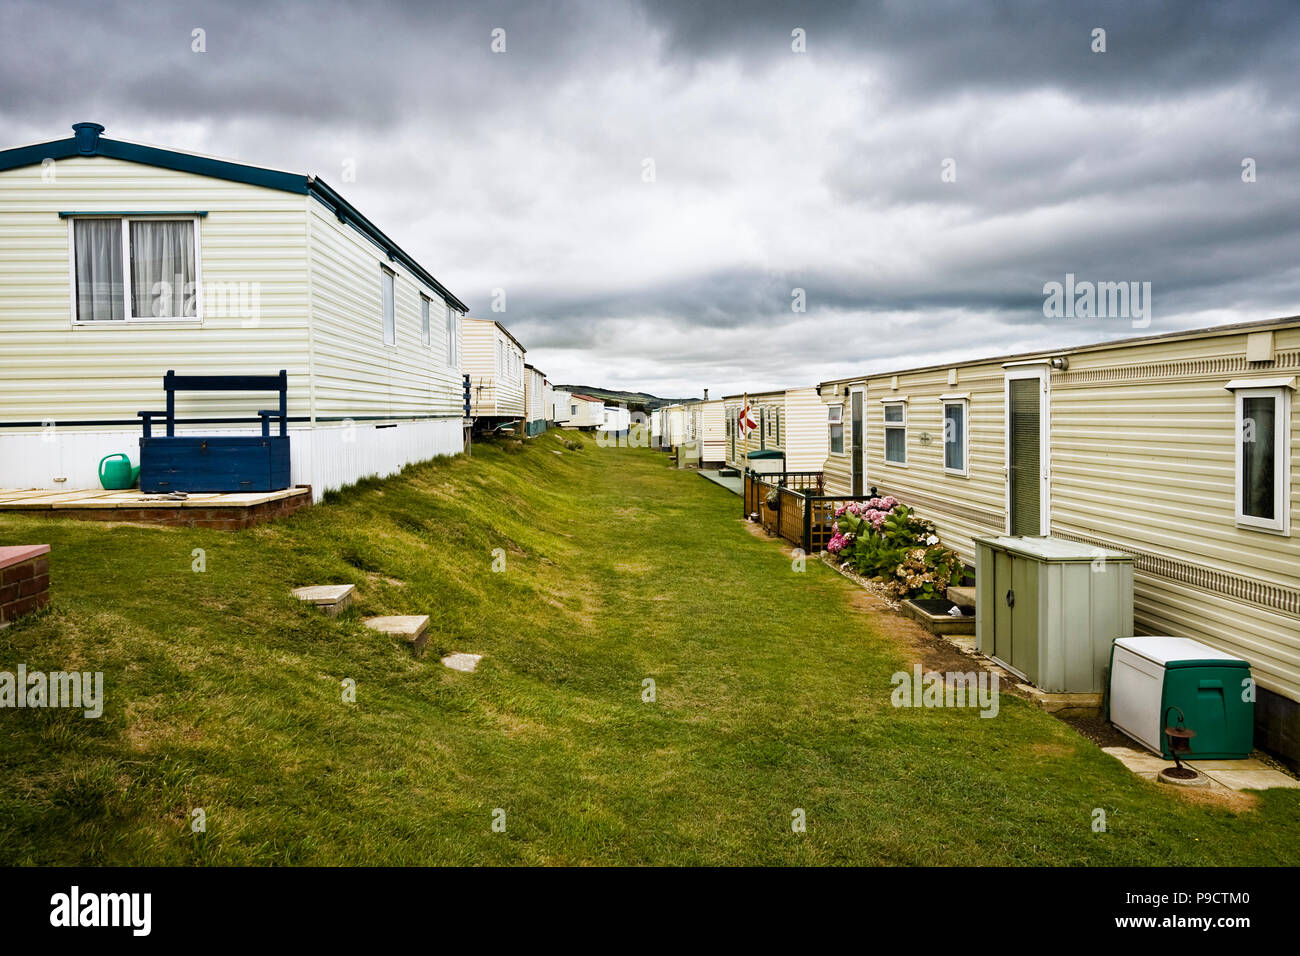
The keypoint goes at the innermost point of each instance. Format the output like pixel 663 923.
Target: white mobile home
pixel 674 425
pixel 1177 449
pixel 560 399
pixel 548 402
pixel 124 261
pixel 494 362
pixel 534 401
pixel 617 420
pixel 790 421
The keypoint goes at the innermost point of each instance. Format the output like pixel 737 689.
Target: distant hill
pixel 645 399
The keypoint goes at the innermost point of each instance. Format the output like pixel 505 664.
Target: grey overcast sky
pixel 774 170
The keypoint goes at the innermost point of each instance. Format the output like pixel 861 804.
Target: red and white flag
pixel 746 421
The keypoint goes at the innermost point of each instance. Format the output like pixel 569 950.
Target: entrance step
pixel 1064 705
pixel 962 597
pixel 409 627
pixel 333 599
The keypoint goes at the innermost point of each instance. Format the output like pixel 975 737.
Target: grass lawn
pixel 773 693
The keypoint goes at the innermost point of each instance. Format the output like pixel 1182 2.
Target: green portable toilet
pixel 1149 676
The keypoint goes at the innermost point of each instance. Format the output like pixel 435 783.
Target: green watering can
pixel 116 472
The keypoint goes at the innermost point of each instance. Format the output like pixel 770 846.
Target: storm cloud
pixel 916 174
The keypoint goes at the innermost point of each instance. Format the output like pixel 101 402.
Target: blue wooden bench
pixel 216 463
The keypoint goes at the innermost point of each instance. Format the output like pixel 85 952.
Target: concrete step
pixel 962 597
pixel 333 599
pixel 409 627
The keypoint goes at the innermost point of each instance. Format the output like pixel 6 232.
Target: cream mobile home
pixel 125 261
pixel 585 413
pixel 710 429
pixel 534 401
pixel 1178 449
pixel 494 362
pixel 791 422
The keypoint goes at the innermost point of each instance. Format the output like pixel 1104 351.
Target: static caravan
pixel 494 362
pixel 126 261
pixel 534 401
pixel 674 425
pixel 548 402
pixel 792 421
pixel 560 402
pixel 585 413
pixel 657 428
pixel 617 420
pixel 710 428
pixel 1178 449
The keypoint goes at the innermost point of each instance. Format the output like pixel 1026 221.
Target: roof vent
pixel 87 136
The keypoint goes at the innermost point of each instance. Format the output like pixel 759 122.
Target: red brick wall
pixel 24 588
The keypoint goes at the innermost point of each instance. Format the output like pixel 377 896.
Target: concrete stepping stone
pixel 409 627
pixel 333 599
pixel 462 662
pixel 962 597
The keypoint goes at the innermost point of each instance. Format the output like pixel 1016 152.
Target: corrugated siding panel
pixel 50 370
pixel 1143 458
pixel 355 373
pixel 534 388
pixel 803 430
pixel 960 507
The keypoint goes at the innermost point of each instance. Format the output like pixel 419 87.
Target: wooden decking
pixel 227 512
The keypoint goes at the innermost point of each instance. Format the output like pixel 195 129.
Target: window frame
pixel 128 318
pixel 426 320
pixel 887 426
pixel 453 358
pixel 964 401
pixel 1281 522
pixel 831 422
pixel 388 305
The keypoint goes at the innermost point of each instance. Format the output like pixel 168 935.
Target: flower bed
pixel 882 538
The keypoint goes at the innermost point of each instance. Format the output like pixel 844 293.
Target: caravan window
pixel 390 308
pixel 896 432
pixel 954 436
pixel 424 319
pixel 835 423
pixel 452 358
pixel 1263 426
pixel 142 269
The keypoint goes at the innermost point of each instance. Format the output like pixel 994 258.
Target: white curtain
pixel 98 255
pixel 162 269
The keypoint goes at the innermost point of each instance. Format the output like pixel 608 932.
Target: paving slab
pixel 462 662
pixel 961 596
pixel 1252 779
pixel 410 627
pixel 333 599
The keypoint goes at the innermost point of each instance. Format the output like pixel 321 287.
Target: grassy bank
pixel 772 693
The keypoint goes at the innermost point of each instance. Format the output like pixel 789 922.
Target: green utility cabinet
pixel 1050 609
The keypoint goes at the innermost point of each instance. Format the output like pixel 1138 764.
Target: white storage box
pixel 1151 675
